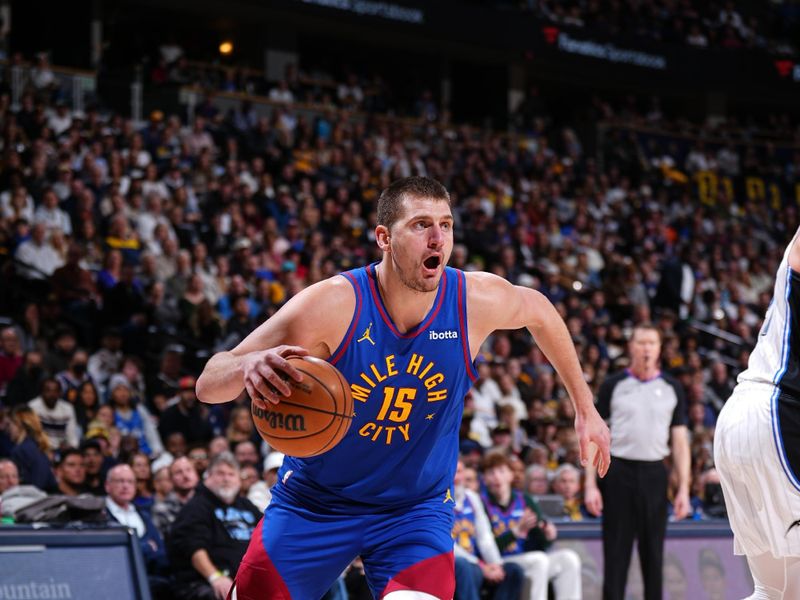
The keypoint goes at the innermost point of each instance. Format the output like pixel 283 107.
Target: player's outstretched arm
pixel 494 303
pixel 313 322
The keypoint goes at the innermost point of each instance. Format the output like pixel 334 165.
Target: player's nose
pixel 435 237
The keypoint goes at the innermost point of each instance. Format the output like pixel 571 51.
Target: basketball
pixel 314 418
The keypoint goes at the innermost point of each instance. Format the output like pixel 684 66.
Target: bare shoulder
pixel 316 318
pixel 496 303
pixel 491 300
pixel 485 289
pixel 794 252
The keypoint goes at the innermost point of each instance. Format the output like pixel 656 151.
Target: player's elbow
pixel 209 387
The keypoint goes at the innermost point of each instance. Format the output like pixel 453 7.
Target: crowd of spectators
pixel 131 253
pixel 719 24
pixel 349 89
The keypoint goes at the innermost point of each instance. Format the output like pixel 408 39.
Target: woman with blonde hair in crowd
pixel 31 450
pixel 240 426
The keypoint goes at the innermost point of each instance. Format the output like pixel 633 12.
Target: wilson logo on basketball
pixel 278 420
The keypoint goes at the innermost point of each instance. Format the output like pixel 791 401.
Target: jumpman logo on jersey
pixel 448 497
pixel 367 335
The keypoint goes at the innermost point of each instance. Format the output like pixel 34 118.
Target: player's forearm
pixel 553 338
pixel 221 380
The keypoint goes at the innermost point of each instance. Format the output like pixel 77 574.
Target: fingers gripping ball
pixel 314 418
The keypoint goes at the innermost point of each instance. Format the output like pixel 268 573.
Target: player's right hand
pixel 265 373
pixel 593 501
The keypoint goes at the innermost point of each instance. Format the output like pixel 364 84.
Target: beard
pixel 416 283
pixel 227 493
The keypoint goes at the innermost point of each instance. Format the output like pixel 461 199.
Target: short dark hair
pixel 65 454
pixel 390 202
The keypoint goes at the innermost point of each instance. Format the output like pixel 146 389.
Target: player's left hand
pixel 595 440
pixel 681 507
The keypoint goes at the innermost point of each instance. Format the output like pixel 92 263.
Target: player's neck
pixel 406 307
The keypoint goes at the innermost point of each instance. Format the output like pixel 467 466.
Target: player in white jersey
pixel 757 445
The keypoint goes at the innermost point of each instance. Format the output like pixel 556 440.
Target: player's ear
pixel 382 237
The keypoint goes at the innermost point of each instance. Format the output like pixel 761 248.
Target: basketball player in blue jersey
pixel 404 333
pixel 757 445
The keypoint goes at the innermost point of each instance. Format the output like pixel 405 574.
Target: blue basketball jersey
pixel 504 520
pixel 408 395
pixel 464 527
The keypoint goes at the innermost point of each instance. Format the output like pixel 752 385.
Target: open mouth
pixel 432 262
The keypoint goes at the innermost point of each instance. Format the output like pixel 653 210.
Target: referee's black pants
pixel 634 507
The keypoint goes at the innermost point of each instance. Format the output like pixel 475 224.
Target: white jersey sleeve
pixel 776 359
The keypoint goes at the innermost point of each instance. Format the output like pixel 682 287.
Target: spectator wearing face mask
pixel 74 376
pixel 210 534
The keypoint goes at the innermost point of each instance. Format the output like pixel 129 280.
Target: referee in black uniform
pixel 646 411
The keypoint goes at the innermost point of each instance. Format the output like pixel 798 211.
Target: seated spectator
pixel 477 559
pixel 111 272
pixel 240 323
pixel 87 403
pixel 165 384
pixel 37 257
pixel 107 360
pixel 523 535
pixel 186 415
pixel 14 496
pixel 57 416
pixel 211 534
pixel 27 381
pixel 60 353
pixel 567 483
pixel 71 472
pixel 74 286
pixel 249 476
pixel 51 214
pixel 199 456
pixel 162 487
pixel 9 475
pixel 240 425
pixel 260 492
pixel 246 454
pixel 74 375
pixel 133 420
pixel 10 357
pixel 281 93
pixel 32 449
pixel 536 482
pixel 145 492
pixel 121 488
pixel 95 466
pixel 184 481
